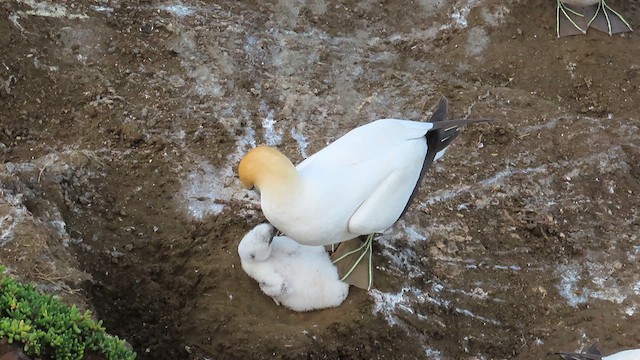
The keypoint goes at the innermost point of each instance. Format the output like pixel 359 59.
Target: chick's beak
pixel 274 232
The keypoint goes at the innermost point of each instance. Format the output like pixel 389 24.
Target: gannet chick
pixel 359 185
pixel 594 354
pixel 574 17
pixel 302 278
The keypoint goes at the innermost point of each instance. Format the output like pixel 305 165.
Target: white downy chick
pixel 302 278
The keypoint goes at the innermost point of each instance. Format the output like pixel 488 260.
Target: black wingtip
pixel 439 137
pixel 440 113
pixel 592 354
pixel 593 349
pixel 576 356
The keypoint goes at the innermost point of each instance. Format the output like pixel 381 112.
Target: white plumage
pixel 594 354
pixel 358 185
pixel 302 278
pixel 624 355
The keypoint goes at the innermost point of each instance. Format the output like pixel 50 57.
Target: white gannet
pixel 594 354
pixel 574 17
pixel 302 278
pixel 359 185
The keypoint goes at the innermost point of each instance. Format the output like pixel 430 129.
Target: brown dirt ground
pixel 122 121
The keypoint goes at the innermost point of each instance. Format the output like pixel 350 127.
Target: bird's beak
pixel 274 232
pixel 246 184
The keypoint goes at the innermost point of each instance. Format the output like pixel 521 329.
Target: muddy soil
pixel 122 124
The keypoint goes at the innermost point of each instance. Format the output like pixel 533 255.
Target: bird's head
pixel 264 165
pixel 255 246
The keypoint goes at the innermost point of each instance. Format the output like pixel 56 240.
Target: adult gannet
pixel 574 17
pixel 359 185
pixel 302 278
pixel 594 354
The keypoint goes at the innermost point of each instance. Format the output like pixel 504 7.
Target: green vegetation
pixel 50 328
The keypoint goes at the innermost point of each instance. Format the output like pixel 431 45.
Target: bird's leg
pixel 366 247
pixel 565 13
pixel 351 253
pixel 607 7
pixel 370 240
pixel 596 15
pixel 604 14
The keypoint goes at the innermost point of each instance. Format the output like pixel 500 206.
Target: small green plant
pixel 49 328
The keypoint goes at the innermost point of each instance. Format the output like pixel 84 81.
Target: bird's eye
pixel 253 256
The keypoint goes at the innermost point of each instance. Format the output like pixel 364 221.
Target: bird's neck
pixel 281 183
pixel 282 199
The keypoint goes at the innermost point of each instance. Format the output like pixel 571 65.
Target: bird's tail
pixel 445 131
pixel 592 354
pixel 439 137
